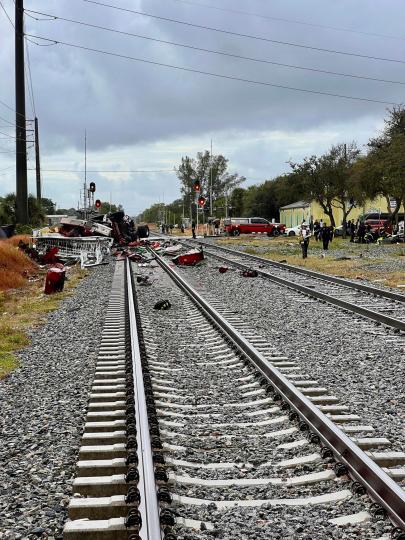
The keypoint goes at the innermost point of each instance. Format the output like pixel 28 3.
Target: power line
pixel 291 21
pixel 8 121
pixel 109 172
pixel 11 109
pixel 213 51
pixel 216 75
pixel 13 137
pixel 249 36
pixel 7 15
pixel 30 86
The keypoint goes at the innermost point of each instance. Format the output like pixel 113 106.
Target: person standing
pixel 304 240
pixel 326 236
pixel 317 228
pixel 193 228
pixel 352 231
pixel 361 231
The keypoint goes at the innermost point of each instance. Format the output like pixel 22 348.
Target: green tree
pixel 212 174
pixel 48 206
pixel 106 208
pixel 36 214
pixel 382 170
pixel 329 179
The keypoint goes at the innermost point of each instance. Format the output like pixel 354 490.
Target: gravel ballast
pixel 184 363
pixel 358 361
pixel 43 404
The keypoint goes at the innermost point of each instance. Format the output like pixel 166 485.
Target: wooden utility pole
pixel 37 162
pixel 21 135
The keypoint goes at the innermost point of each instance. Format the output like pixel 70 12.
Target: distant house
pixel 295 213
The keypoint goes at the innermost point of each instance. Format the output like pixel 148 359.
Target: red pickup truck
pixel 237 226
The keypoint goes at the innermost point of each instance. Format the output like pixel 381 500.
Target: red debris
pixel 55 280
pixel 191 258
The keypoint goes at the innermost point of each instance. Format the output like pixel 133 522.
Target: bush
pixel 23 229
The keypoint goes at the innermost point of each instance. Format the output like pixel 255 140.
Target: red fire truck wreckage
pixel 93 240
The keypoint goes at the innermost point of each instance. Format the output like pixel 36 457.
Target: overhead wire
pixel 239 34
pixel 8 121
pixel 13 137
pixel 109 172
pixel 216 75
pixel 7 15
pixel 290 21
pixel 213 51
pixel 30 85
pixel 13 110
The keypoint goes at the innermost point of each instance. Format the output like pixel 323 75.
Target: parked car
pixel 377 224
pixel 293 231
pixel 237 226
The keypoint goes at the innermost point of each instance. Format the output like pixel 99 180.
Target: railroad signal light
pixel 92 187
pixel 201 201
pixel 197 186
pixel 97 204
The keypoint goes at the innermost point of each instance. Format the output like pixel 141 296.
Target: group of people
pixel 165 229
pixel 321 231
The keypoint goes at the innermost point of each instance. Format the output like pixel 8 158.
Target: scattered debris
pixel 162 305
pixel 223 269
pixel 55 280
pixel 249 272
pixel 191 258
pixel 143 280
pixel 172 250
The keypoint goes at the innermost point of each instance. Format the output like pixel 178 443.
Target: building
pixel 295 213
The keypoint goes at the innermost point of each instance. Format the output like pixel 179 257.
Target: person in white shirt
pixel 304 239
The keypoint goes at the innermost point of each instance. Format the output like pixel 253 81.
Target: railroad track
pixel 383 306
pixel 221 435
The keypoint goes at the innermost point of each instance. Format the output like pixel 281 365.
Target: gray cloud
pixel 143 116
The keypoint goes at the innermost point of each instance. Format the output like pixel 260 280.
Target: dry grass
pixel 358 266
pixel 23 309
pixel 15 266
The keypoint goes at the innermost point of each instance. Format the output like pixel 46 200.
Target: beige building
pixel 295 213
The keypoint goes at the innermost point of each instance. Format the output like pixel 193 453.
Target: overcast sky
pixel 145 117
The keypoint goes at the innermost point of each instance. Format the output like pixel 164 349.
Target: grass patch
pixel 24 308
pixel 362 263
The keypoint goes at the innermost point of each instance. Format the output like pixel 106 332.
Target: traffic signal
pixel 92 187
pixel 97 204
pixel 197 186
pixel 201 200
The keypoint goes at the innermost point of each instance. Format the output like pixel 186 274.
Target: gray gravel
pixel 359 362
pixel 179 343
pixel 43 404
pixel 384 258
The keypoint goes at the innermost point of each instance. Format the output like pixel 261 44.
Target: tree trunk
pixel 328 209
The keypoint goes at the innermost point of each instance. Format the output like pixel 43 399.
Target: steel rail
pixel 312 273
pixel 374 315
pixel 379 485
pixel 148 507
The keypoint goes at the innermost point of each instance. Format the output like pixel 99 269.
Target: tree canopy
pixel 340 178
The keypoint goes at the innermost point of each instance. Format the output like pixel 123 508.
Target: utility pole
pixel 37 162
pixel 21 135
pixel 211 181
pixel 85 177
